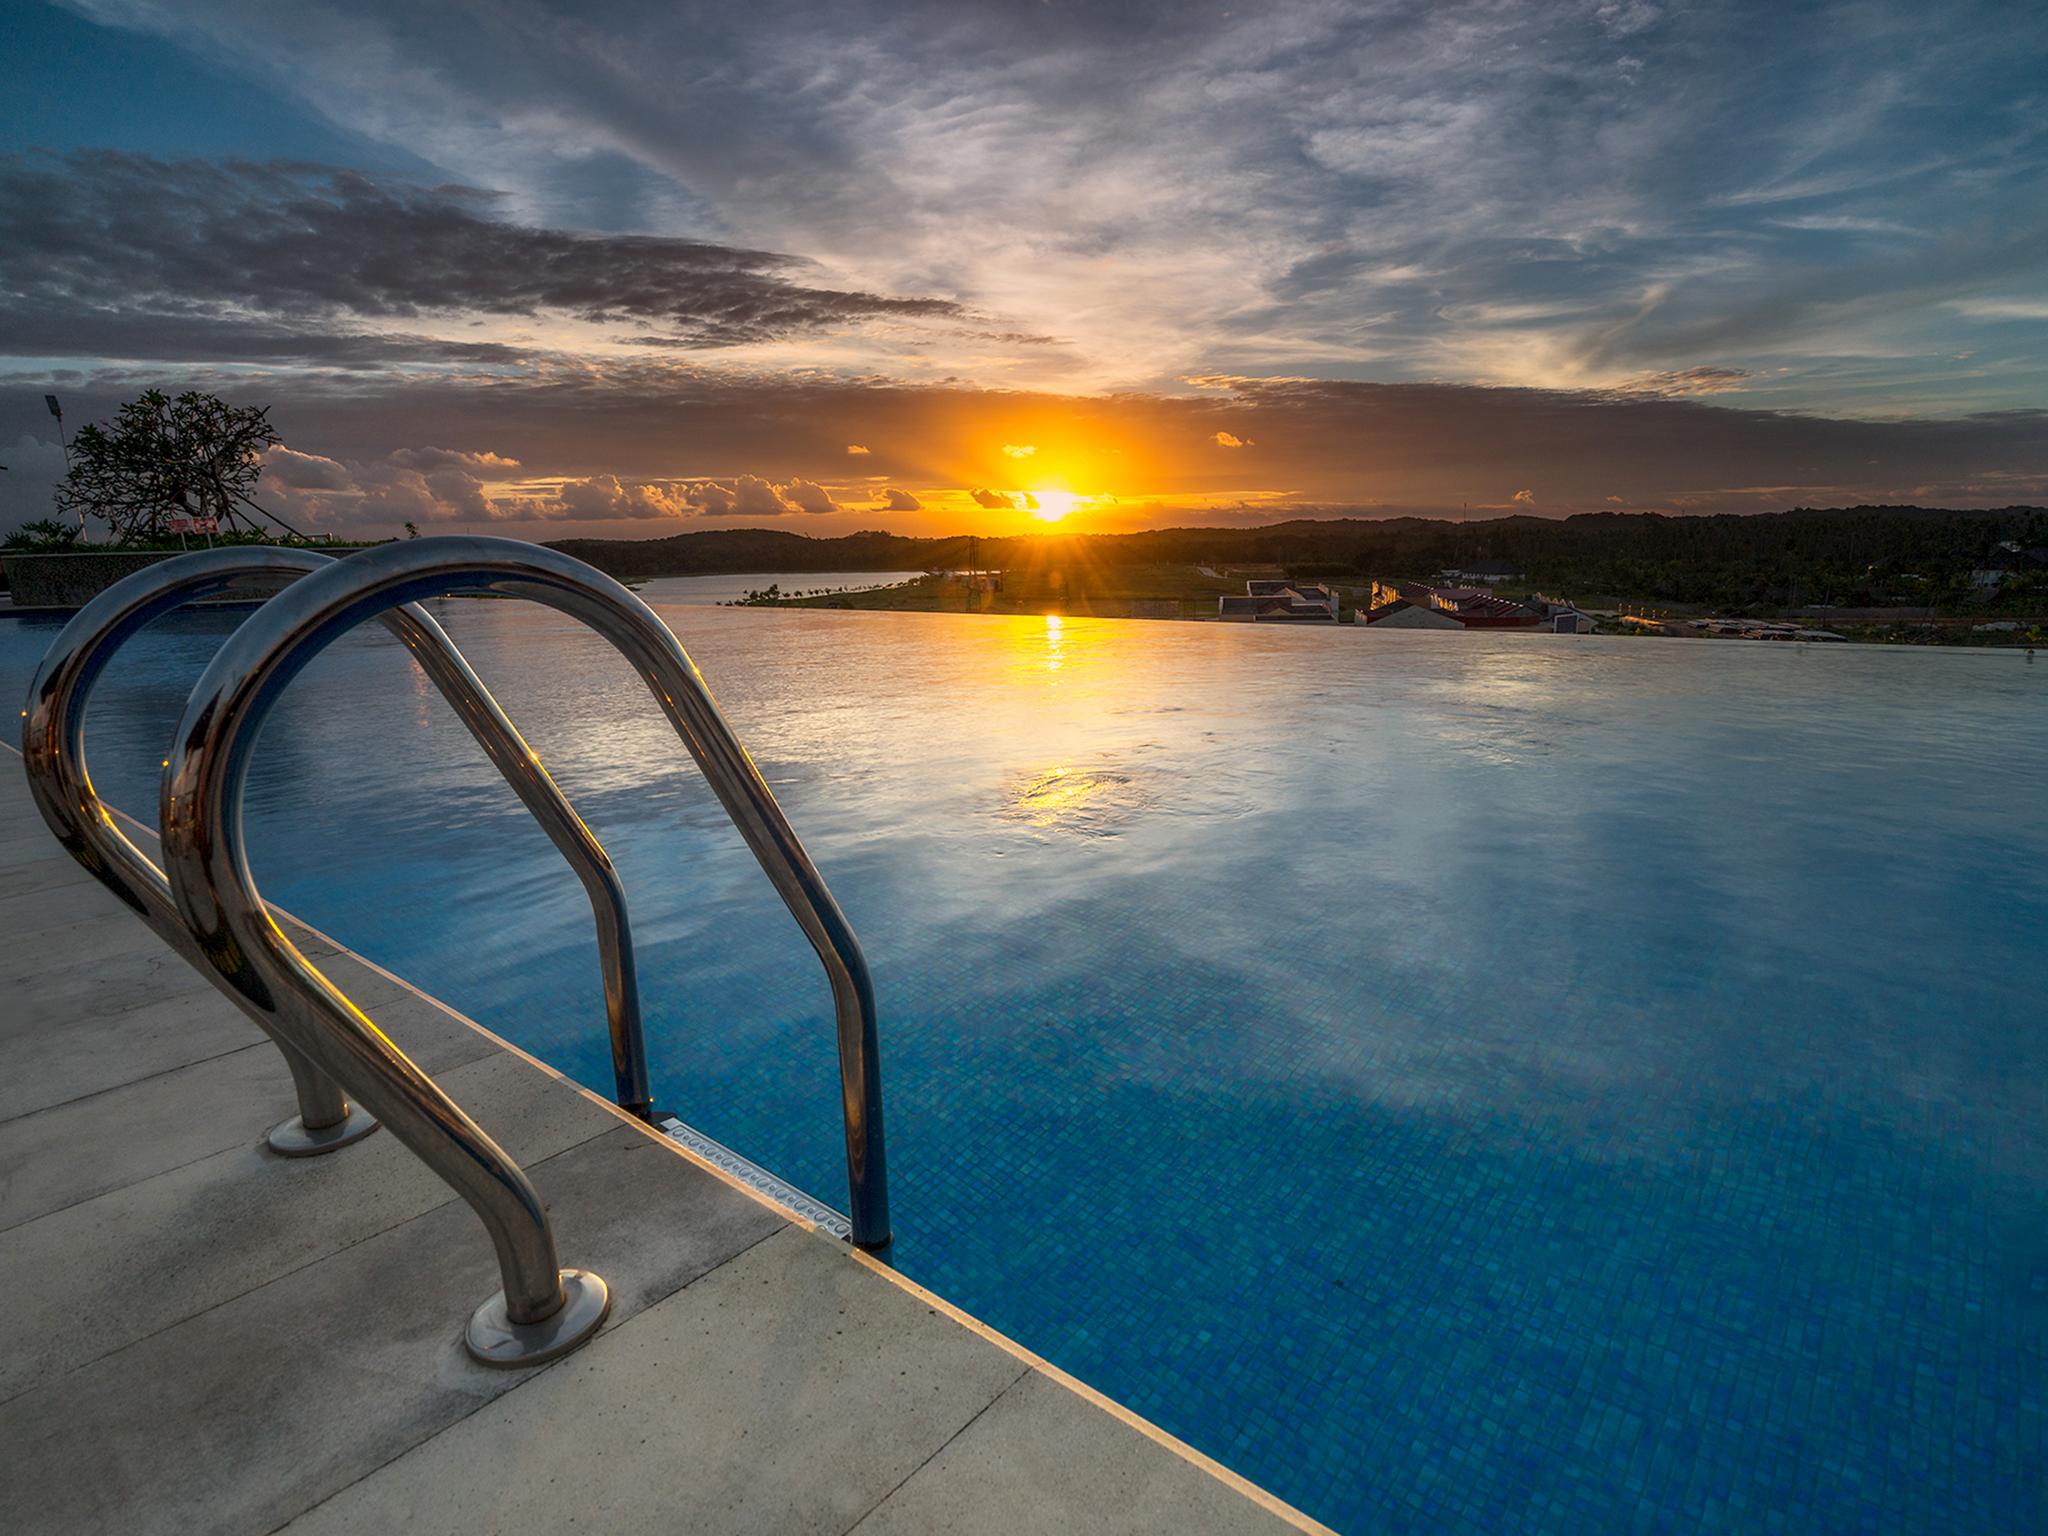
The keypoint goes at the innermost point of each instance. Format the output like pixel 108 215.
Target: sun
pixel 1054 505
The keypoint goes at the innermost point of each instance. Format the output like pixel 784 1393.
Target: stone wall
pixel 73 580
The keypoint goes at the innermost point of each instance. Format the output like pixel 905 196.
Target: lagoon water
pixel 1461 1082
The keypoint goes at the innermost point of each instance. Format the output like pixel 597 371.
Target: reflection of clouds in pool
pixel 1389 974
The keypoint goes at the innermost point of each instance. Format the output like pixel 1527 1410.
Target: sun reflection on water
pixel 1095 802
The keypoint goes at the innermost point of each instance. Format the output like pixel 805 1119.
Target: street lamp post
pixel 57 411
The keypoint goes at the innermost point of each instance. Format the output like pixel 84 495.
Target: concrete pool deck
pixel 205 1337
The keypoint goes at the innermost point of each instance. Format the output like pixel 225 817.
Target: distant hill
pixel 1847 555
pixel 739 550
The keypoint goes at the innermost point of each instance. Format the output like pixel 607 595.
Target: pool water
pixel 1461 1082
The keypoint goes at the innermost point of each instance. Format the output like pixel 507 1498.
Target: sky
pixel 634 269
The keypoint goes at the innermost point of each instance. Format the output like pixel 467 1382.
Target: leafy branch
pixel 195 456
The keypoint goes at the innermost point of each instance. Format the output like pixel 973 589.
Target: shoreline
pixel 1933 633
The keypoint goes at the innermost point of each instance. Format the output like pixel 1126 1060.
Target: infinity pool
pixel 1462 1083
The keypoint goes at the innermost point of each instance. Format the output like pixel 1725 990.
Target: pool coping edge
pixel 765 1193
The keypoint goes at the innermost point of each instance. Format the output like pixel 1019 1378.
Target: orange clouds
pixel 1323 448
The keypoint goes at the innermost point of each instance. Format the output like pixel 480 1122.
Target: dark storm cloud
pixel 132 256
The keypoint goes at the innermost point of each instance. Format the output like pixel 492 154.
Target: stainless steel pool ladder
pixel 53 749
pixel 543 1310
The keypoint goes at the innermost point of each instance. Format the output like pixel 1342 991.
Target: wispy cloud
pixel 2001 309
pixel 1683 381
pixel 1843 224
pixel 1376 188
pixel 1381 232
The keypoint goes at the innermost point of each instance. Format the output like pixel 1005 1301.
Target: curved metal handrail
pixel 53 748
pixel 538 1311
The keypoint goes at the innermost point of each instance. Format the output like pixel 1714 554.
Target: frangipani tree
pixel 195 456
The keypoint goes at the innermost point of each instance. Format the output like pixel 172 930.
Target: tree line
pixel 1851 556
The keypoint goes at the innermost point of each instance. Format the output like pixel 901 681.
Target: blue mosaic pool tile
pixel 1702 1193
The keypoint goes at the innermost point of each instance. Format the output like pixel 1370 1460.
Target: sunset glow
pixel 1053 506
pixel 1394 652
pixel 1260 263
